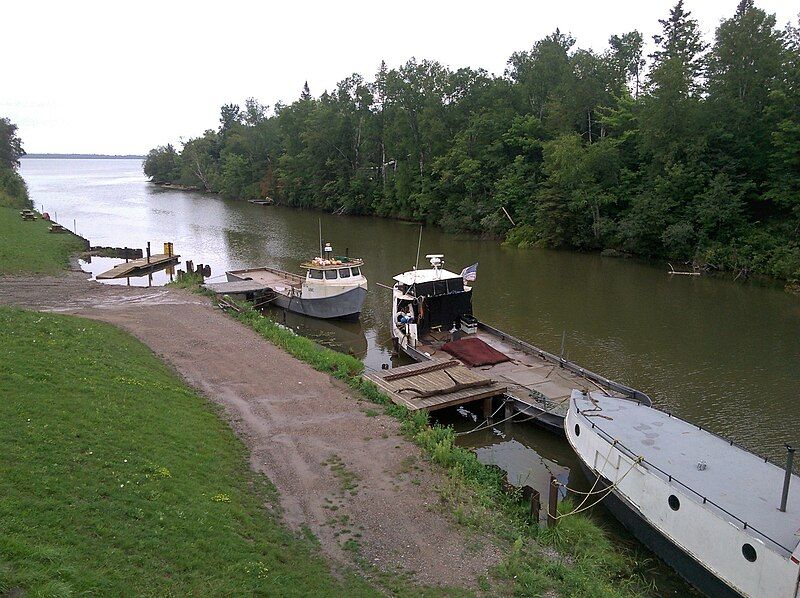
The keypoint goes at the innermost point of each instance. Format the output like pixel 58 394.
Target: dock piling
pixel 487 409
pixel 552 503
pixel 148 252
pixel 787 478
pixel 535 505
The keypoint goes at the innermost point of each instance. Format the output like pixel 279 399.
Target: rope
pixel 608 491
pixel 597 479
pixel 480 426
pixel 493 424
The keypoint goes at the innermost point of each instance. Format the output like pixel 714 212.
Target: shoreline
pixel 714 273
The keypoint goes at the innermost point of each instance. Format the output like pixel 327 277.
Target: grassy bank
pixel 575 559
pixel 27 246
pixel 118 480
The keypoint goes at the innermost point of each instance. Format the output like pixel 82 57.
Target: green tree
pixel 162 164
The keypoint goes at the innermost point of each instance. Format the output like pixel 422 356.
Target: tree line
pixel 13 191
pixel 690 153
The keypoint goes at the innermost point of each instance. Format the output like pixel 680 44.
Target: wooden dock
pixel 435 385
pixel 139 267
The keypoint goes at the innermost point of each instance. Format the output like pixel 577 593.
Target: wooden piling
pixel 536 505
pixel 148 252
pixel 552 503
pixel 487 409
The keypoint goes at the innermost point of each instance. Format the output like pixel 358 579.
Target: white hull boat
pixel 707 507
pixel 333 287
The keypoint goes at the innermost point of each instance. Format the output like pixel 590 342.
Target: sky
pixel 122 77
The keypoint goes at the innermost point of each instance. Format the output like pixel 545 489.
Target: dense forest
pixel 13 192
pixel 689 153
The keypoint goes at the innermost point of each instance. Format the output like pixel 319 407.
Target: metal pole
pixel 787 478
pixel 148 252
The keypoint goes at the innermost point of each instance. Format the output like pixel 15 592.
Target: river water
pixel 722 354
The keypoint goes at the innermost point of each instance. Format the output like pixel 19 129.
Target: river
pixel 723 354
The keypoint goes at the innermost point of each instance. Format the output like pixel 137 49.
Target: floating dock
pixel 435 385
pixel 139 267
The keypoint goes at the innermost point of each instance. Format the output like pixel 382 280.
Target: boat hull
pixel 344 305
pixel 683 564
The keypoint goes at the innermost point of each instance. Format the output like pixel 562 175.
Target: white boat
pixel 333 287
pixel 707 507
pixel 432 318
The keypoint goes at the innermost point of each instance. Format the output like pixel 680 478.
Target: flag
pixel 470 273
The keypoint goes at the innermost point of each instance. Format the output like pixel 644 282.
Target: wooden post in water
pixel 508 412
pixel 552 503
pixel 487 409
pixel 148 252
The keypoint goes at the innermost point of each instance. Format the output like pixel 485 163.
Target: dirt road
pixel 340 468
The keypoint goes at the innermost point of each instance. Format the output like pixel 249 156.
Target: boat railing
pixel 673 480
pixel 627 391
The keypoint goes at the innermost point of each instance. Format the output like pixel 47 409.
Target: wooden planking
pixel 430 386
pixel 141 264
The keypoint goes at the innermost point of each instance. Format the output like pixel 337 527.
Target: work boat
pixel 721 516
pixel 332 287
pixel 432 319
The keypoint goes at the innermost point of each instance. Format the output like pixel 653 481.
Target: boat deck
pixel 430 386
pixel 741 483
pixel 269 278
pixel 531 377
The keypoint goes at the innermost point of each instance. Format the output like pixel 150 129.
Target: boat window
pixel 577 430
pixel 749 552
pixel 356 271
pixel 344 273
pixel 315 274
pixel 674 503
pixel 330 274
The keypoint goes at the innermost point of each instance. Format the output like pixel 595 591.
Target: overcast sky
pixel 122 77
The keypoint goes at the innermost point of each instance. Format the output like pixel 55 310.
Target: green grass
pixel 27 246
pixel 577 558
pixel 118 480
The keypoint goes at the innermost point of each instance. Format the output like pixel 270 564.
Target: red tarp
pixel 474 352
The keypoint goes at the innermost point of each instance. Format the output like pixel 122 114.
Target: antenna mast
pixel 320 239
pixel 419 244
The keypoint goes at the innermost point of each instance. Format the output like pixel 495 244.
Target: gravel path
pixel 340 469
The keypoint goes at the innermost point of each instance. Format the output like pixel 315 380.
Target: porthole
pixel 674 503
pixel 749 552
pixel 577 430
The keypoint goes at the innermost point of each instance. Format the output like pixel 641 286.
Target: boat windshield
pixel 315 274
pixel 344 273
pixel 330 274
pixel 356 271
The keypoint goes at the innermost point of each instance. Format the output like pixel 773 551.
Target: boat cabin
pixel 433 299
